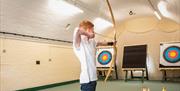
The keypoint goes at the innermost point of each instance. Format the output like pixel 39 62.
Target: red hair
pixel 86 24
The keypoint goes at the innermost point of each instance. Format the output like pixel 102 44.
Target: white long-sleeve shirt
pixel 86 55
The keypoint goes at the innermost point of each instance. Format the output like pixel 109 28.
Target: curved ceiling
pixel 36 17
pixel 121 8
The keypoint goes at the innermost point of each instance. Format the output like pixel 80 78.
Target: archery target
pixel 104 56
pixel 170 55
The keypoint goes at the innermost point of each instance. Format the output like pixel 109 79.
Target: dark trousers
pixel 91 86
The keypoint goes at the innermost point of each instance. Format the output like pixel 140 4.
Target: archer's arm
pixel 105 43
pixel 90 35
pixel 80 32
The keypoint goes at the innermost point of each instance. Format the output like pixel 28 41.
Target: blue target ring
pixel 172 54
pixel 104 57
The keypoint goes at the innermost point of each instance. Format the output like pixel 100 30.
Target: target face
pixel 172 54
pixel 104 57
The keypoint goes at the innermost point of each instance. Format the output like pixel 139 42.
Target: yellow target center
pixel 173 54
pixel 104 58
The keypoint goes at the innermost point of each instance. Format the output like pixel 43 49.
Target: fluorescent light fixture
pixel 64 8
pixel 157 15
pixel 162 6
pixel 101 24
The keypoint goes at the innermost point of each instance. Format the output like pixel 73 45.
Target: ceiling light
pixel 64 8
pixel 101 24
pixel 155 12
pixel 162 6
pixel 157 15
pixel 67 27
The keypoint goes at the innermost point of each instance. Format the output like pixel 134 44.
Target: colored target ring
pixel 104 57
pixel 172 54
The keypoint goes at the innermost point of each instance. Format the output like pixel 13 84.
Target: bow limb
pixel 111 64
pixel 114 46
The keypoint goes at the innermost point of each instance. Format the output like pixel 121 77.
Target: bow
pixel 114 46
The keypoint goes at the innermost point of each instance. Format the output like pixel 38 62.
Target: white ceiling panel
pixel 36 17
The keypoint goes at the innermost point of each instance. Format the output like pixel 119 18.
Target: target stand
pixel 169 58
pixel 104 57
